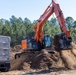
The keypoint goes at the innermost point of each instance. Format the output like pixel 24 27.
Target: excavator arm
pixel 60 17
pixel 39 25
pixel 55 8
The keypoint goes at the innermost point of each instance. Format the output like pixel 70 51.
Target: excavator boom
pixel 55 8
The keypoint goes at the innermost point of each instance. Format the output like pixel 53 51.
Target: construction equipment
pixel 61 41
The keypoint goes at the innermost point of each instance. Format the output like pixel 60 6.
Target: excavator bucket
pixel 61 42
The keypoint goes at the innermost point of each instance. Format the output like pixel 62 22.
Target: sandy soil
pixel 43 63
pixel 41 72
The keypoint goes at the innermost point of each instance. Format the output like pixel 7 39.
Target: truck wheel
pixel 17 56
pixel 6 70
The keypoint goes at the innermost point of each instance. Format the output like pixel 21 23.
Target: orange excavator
pixel 40 41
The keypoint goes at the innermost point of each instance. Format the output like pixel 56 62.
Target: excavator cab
pixel 47 41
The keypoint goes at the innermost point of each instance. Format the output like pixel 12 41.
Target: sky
pixel 33 9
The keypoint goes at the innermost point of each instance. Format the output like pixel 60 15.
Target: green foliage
pixel 17 28
pixel 51 27
pixel 70 22
pixel 73 34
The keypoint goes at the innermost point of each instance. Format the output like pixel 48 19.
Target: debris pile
pixel 45 60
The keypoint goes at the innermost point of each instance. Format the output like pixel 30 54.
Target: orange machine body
pixel 24 44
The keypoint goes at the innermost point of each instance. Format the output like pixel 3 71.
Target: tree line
pixel 18 29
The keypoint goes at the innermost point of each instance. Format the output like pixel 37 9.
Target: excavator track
pixel 28 51
pixel 18 55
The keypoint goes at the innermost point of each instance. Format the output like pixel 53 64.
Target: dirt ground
pixel 43 59
pixel 43 62
pixel 40 72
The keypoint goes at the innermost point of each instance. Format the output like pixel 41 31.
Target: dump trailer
pixel 4 53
